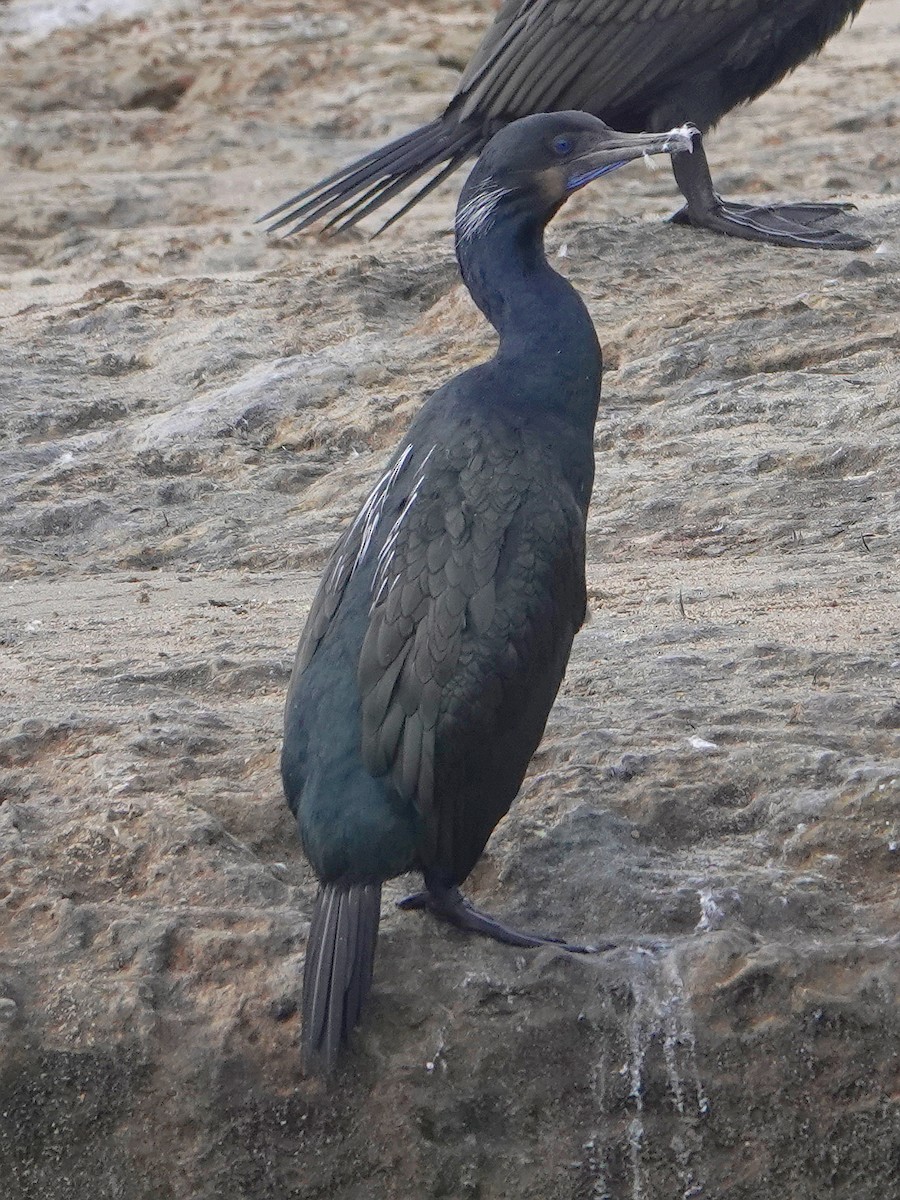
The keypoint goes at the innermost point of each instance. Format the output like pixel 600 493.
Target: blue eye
pixel 562 144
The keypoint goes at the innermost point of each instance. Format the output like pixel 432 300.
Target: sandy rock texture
pixel 190 412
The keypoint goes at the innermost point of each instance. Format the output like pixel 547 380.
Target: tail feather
pixel 403 183
pixel 377 164
pixel 359 188
pixel 340 956
pixel 428 187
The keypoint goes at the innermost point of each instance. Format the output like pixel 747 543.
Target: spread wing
pixel 544 55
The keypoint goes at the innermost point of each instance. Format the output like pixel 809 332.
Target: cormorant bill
pixel 442 626
pixel 638 64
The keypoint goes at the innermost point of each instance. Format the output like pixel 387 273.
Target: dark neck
pixel 547 337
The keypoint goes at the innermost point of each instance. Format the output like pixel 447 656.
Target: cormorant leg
pixel 781 224
pixel 449 904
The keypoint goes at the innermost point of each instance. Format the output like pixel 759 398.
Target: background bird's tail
pixel 340 956
pixel 358 189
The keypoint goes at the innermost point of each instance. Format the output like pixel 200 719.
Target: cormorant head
pixel 533 165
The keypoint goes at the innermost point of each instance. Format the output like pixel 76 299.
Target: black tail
pixel 358 189
pixel 340 956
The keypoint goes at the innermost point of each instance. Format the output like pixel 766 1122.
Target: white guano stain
pixel 659 1021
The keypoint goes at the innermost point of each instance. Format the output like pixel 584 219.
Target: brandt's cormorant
pixel 441 629
pixel 638 64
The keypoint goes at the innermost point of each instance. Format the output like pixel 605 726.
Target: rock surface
pixel 189 415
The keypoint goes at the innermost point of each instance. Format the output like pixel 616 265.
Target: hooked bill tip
pixel 681 139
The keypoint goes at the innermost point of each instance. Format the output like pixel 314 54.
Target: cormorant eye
pixel 562 144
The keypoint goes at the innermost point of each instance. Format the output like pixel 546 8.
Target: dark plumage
pixel 443 623
pixel 638 64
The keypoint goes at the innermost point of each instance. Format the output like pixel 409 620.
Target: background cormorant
pixel 638 64
pixel 442 627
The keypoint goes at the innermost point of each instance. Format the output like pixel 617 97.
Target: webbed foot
pixel 449 904
pixel 797 224
pixel 779 224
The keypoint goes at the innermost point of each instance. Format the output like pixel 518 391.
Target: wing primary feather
pixel 479 73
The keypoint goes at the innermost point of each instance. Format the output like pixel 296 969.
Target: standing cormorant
pixel 638 64
pixel 441 629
